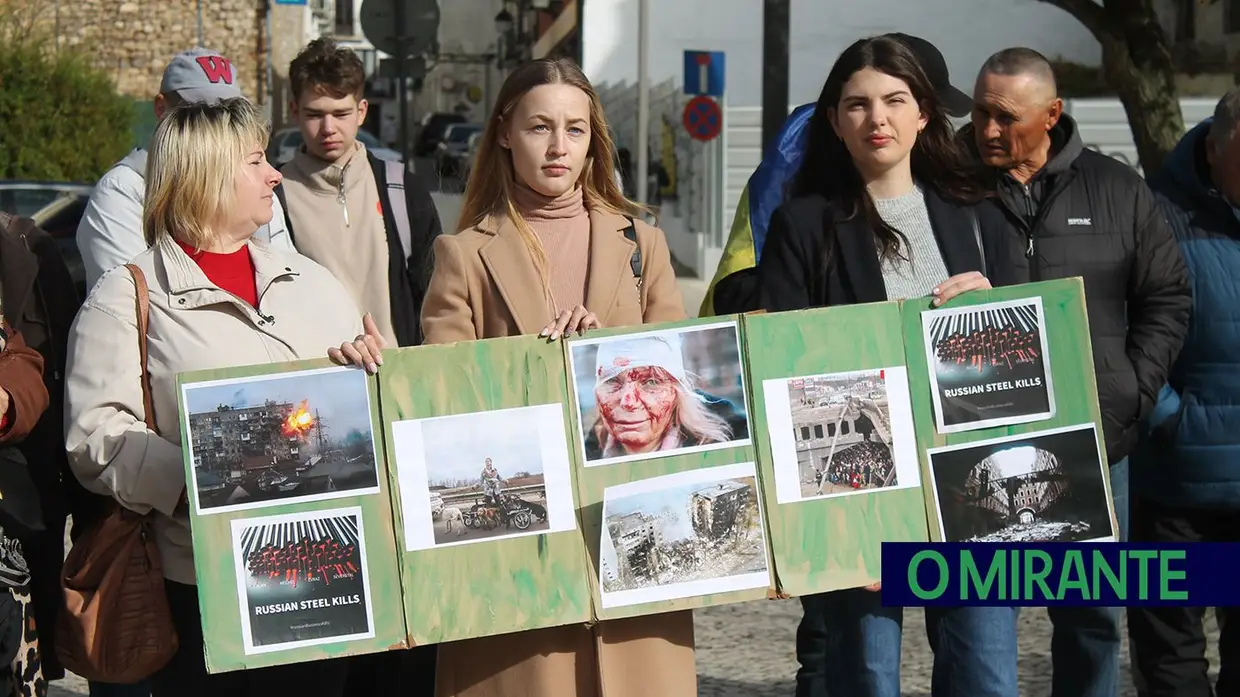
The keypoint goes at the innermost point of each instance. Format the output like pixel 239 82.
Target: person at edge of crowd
pixel 23 401
pixel 648 401
pixel 547 245
pixel 39 301
pixel 1075 212
pixel 734 280
pixel 110 232
pixel 344 209
pixel 885 206
pixel 1186 467
pixel 218 298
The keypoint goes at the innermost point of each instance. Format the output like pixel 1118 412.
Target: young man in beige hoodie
pixel 370 222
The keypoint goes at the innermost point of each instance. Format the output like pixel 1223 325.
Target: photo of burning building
pixel 1042 487
pixel 263 441
pixel 691 532
pixel 841 424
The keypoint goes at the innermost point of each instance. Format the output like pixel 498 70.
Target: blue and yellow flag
pixel 763 193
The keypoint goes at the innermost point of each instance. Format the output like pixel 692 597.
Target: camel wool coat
pixel 485 286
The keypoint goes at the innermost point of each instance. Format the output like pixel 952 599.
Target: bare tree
pixel 1136 60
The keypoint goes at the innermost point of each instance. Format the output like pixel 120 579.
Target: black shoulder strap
pixel 288 219
pixel 635 262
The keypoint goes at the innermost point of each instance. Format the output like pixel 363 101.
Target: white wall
pixel 966 31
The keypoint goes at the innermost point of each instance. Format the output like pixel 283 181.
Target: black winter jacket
pixel 1085 214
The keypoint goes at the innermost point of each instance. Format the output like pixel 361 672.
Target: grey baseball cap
pixel 200 75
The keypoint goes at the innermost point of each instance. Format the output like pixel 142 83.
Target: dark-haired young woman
pixel 883 208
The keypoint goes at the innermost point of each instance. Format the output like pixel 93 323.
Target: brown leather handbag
pixel 115 625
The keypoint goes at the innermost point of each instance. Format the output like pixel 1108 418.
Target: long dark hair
pixel 938 160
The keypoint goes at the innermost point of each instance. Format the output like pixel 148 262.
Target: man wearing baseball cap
pixel 110 233
pixel 733 282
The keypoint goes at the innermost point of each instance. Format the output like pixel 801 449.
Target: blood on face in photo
pixel 638 406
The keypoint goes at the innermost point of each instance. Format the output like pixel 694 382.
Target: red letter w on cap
pixel 217 68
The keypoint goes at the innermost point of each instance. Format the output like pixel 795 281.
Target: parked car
pixel 432 132
pixel 57 208
pixel 453 150
pixel 284 143
pixel 436 505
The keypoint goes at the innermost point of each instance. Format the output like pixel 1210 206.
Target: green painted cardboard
pixel 213 550
pixel 831 543
pixel 593 480
pixel 1069 353
pixel 505 585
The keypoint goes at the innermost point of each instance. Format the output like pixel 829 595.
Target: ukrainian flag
pixel 764 192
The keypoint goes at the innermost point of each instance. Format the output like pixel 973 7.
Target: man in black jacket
pixel 1075 212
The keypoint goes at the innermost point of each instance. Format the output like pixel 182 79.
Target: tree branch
pixel 1089 13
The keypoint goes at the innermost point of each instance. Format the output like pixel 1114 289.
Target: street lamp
pixel 503 22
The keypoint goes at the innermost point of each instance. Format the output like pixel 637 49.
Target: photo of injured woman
pixel 656 394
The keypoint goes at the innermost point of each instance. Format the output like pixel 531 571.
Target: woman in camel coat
pixel 548 244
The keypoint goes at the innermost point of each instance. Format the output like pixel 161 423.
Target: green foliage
pixel 63 119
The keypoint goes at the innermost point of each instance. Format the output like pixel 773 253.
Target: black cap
pixel 956 103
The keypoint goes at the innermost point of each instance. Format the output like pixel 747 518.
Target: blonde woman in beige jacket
pixel 541 249
pixel 216 299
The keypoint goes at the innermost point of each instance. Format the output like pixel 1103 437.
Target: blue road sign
pixel 290 2
pixel 704 71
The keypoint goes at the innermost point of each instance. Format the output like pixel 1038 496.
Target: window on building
pixel 344 17
pixel 805 433
pixel 818 430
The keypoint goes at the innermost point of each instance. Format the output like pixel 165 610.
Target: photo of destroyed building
pixel 280 437
pixel 685 533
pixel 1037 488
pixel 842 427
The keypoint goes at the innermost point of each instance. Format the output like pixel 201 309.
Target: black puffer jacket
pixel 1089 215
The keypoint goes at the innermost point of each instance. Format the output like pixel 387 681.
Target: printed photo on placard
pixel 277 439
pixel 988 365
pixel 484 476
pixel 1047 486
pixel 841 434
pixel 683 535
pixel 302 579
pixel 660 393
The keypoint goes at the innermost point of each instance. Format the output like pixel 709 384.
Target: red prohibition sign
pixel 703 118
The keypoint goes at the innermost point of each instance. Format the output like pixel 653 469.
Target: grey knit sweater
pixel 924 268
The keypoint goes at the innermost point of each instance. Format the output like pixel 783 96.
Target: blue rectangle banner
pixel 917 574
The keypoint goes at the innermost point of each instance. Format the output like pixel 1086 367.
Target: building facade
pixel 227 439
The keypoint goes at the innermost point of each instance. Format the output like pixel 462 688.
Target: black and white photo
pixel 302 580
pixel 276 439
pixel 483 476
pixel 1048 486
pixel 988 365
pixel 660 393
pixel 841 434
pixel 682 535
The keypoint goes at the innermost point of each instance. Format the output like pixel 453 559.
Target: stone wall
pixel 134 39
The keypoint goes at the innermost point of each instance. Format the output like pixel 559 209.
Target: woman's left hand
pixel 960 283
pixel 365 351
pixel 578 319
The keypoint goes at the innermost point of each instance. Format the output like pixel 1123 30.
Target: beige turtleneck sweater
pixel 337 222
pixel 562 226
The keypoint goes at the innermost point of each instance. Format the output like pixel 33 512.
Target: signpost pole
pixel 775 29
pixel 643 101
pixel 401 68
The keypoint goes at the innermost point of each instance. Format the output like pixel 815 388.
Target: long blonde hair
pixel 191 168
pixel 492 181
